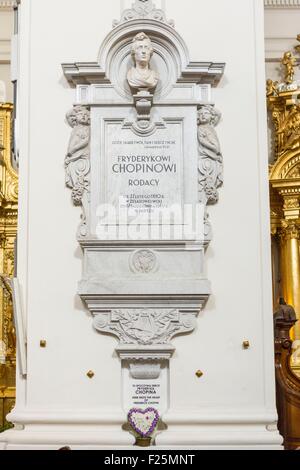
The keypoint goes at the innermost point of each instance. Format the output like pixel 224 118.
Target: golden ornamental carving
pixel 290 230
pixel 291 203
pixel 290 130
pixel 289 62
pixel 297 48
pixel 8 231
pixel 284 103
pixel 283 99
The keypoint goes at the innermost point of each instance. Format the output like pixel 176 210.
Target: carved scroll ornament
pixel 143 9
pixel 145 327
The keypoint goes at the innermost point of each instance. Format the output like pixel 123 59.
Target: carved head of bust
pixel 83 116
pixel 141 49
pixel 72 118
pixel 208 115
pixel 141 76
pixel 78 115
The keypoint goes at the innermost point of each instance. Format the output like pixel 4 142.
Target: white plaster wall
pixel 282 25
pixel 236 384
pixel 238 258
pixel 52 263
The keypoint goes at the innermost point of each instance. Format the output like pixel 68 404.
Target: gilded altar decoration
pixel 8 230
pixel 289 62
pixel 297 48
pixel 272 88
pixel 284 105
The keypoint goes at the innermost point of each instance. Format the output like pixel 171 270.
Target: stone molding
pixel 282 3
pixel 7 4
pixel 4 4
pixel 5 51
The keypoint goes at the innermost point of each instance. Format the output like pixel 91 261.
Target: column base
pixel 103 431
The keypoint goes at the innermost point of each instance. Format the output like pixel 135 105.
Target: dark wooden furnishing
pixel 287 383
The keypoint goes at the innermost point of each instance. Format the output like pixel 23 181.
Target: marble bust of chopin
pixel 141 77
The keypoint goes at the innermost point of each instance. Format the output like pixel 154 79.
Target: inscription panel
pixel 143 173
pixel 139 393
pixel 146 394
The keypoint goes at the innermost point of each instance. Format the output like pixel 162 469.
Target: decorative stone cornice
pixel 143 9
pixel 282 3
pixel 7 4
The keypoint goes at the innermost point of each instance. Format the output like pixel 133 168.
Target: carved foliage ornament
pixel 290 130
pixel 143 9
pixel 289 230
pixel 145 327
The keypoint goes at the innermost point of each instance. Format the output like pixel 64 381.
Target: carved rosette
pixel 143 262
pixel 145 327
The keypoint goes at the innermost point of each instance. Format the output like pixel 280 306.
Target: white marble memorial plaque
pixel 145 393
pixel 144 173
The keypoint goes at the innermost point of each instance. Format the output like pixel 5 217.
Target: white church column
pixel 79 293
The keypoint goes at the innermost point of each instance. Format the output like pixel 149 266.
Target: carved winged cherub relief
pixel 210 165
pixel 141 77
pixel 291 129
pixel 271 88
pixel 77 162
pixel 297 48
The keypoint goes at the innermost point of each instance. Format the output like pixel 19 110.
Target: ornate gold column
pixel 284 104
pixel 290 259
pixel 8 231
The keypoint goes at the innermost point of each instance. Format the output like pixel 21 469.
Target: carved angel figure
pixel 148 326
pixel 141 77
pixel 77 161
pixel 289 61
pixel 210 165
pixel 298 47
pixel 271 88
